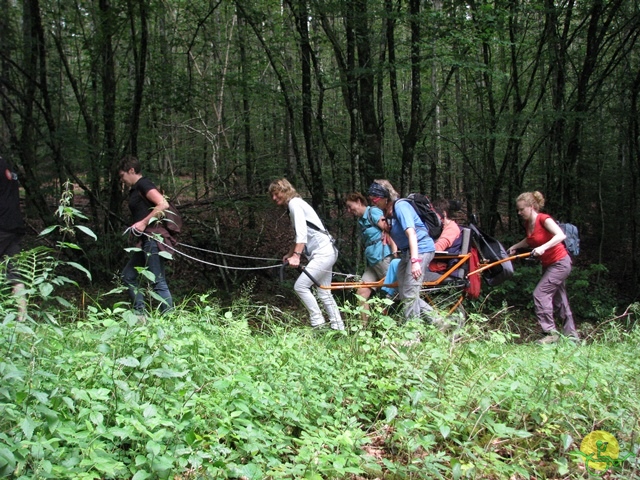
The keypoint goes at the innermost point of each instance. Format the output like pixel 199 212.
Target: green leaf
pixel 87 231
pixel 110 333
pixel 48 230
pixel 81 268
pixel 390 413
pixel 166 373
pixel 28 426
pixel 150 411
pixel 141 475
pixel 45 289
pixel 165 255
pixel 148 275
pixel 456 469
pixel 162 464
pixel 96 418
pixel 7 458
pixel 153 447
pixel 445 430
pixel 128 361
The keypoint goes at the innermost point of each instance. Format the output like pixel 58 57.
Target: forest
pixel 476 101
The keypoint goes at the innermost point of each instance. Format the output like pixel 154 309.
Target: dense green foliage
pixel 247 392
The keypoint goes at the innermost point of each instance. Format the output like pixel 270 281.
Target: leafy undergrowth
pixel 203 393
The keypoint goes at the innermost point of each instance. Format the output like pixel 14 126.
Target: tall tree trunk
pixel 372 138
pixel 634 176
pixel 245 70
pixel 139 47
pixel 300 11
pixel 284 87
pixel 108 77
pixel 26 139
pixel 415 116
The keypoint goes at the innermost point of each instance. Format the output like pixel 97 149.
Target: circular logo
pixel 601 449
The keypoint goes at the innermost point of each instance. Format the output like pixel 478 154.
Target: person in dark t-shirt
pixel 145 203
pixel 11 229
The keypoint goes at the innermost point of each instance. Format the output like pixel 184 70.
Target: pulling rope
pixel 138 233
pixel 228 254
pixel 281 265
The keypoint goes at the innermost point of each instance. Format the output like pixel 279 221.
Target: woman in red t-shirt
pixel 546 239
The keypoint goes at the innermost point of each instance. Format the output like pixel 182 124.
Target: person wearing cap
pixel 11 230
pixel 379 248
pixel 416 248
pixel 314 243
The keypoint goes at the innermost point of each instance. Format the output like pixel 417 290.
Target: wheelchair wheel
pixel 448 297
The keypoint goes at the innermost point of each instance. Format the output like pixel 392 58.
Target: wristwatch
pixel 416 260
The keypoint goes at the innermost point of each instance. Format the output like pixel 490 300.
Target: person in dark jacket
pixel 11 230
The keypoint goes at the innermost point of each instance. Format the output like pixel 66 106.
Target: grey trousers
pixel 409 287
pixel 319 266
pixel 550 297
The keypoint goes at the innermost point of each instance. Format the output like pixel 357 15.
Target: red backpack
pixel 475 282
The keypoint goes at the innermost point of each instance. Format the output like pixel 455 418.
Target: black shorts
pixel 10 246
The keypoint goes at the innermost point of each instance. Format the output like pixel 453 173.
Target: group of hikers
pixel 397 242
pixel 399 248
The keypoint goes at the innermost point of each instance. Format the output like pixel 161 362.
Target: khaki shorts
pixel 377 271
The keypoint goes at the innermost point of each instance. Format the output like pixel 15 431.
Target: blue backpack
pixel 572 242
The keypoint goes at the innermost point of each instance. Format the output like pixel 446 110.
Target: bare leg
pixel 364 293
pixel 18 289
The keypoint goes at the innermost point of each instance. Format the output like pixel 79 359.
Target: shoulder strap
pixel 316 228
pixel 395 216
pixel 370 218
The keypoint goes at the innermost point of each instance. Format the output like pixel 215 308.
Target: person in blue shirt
pixel 414 244
pixel 379 248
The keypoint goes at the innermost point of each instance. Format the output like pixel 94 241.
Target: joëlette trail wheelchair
pixel 479 257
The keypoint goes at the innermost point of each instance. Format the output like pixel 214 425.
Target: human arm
pixel 450 232
pixel 517 246
pixel 416 266
pixel 299 222
pixel 294 254
pixel 383 225
pixel 160 204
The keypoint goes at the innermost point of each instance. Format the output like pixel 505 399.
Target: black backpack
pixel 423 207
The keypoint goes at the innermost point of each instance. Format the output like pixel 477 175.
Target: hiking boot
pixel 549 338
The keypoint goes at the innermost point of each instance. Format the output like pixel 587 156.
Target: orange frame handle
pixel 498 262
pixel 462 259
